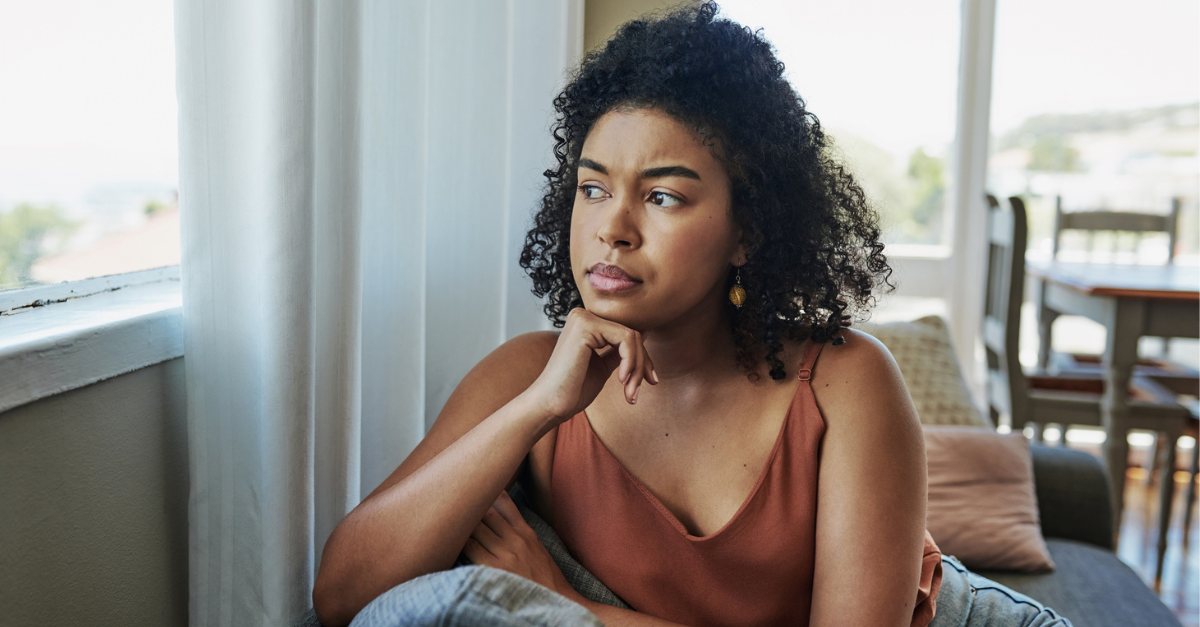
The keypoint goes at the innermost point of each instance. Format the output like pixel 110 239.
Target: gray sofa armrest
pixel 1073 496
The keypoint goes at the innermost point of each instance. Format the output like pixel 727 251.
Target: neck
pixel 696 347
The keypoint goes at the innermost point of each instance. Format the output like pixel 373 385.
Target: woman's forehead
pixel 645 137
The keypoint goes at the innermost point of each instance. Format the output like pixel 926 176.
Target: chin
pixel 617 310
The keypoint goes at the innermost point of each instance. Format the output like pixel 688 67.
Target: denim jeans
pixel 480 596
pixel 969 600
pixel 473 596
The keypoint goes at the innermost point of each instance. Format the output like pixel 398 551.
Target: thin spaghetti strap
pixel 810 357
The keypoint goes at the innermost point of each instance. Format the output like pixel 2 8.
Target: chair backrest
pixel 1140 224
pixel 1007 391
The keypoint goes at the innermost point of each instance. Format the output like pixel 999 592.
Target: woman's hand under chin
pixel 504 540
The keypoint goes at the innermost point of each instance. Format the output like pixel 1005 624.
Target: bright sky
pixel 888 70
pixel 1076 55
pixel 88 97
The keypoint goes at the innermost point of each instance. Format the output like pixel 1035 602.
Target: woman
pixel 700 250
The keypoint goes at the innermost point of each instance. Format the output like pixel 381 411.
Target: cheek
pixel 575 243
pixel 709 236
pixel 698 253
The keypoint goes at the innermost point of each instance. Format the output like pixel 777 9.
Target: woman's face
pixel 654 202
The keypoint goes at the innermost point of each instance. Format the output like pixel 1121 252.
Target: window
pixel 88 156
pixel 1098 103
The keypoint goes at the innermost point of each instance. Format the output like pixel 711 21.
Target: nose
pixel 619 225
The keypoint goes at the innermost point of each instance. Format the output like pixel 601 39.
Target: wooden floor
pixel 1180 588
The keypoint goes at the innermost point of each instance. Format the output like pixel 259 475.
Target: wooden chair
pixel 1046 399
pixel 1175 377
pixel 1008 390
pixel 1092 222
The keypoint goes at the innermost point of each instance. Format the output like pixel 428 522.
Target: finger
pixel 509 510
pixel 476 552
pixel 616 335
pixel 504 504
pixel 625 340
pixel 651 374
pixel 626 350
pixel 496 523
pixel 638 373
pixel 629 363
pixel 487 538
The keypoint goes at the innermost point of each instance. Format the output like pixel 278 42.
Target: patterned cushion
pixel 922 350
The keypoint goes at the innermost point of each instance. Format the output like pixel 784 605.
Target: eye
pixel 664 199
pixel 591 191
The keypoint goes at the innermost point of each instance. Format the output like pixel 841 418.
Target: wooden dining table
pixel 1131 301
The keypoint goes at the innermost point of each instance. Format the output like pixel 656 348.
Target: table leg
pixel 1191 492
pixel 1167 496
pixel 1127 321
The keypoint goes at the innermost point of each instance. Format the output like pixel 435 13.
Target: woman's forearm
pixel 420 524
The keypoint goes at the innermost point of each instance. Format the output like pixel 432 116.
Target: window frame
pixel 14 300
pixel 57 338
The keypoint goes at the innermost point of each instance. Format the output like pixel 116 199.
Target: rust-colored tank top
pixel 756 570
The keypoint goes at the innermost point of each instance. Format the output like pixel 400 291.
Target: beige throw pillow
pixel 931 372
pixel 982 503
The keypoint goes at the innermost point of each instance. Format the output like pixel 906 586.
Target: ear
pixel 738 259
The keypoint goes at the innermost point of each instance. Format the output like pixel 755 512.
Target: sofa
pixel 1089 585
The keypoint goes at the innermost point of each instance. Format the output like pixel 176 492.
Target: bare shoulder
pixel 858 384
pixel 511 367
pixel 500 377
pixel 861 354
pixel 496 380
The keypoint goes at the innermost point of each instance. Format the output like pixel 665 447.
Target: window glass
pixel 88 157
pixel 1098 103
pixel 882 77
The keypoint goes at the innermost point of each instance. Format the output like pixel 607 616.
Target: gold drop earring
pixel 737 295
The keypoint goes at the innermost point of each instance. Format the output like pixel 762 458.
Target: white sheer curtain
pixel 356 179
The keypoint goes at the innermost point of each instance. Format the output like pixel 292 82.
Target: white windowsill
pixel 58 338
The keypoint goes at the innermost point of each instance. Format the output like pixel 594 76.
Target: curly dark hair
pixel 812 239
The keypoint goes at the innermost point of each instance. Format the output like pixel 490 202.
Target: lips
pixel 611 279
pixel 614 272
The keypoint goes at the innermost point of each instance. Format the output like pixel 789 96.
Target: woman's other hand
pixel 589 349
pixel 504 540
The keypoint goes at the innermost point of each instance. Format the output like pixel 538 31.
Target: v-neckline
pixel 666 513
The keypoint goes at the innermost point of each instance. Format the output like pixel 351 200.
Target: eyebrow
pixel 651 173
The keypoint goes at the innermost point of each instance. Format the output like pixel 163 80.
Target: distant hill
pixel 1059 125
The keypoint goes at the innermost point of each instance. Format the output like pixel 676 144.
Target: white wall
pixel 93 504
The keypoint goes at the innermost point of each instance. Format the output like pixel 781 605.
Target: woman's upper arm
pixel 500 377
pixel 871 489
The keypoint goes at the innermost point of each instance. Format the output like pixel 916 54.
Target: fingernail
pixel 654 374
